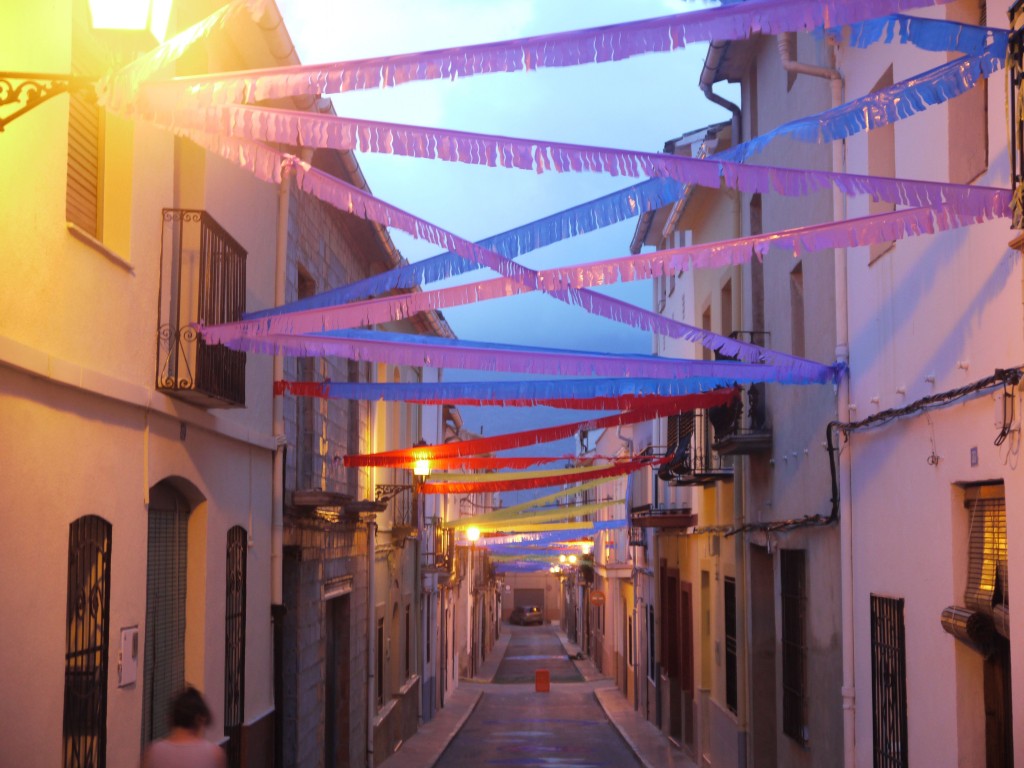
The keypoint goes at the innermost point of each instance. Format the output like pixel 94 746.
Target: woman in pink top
pixel 184 746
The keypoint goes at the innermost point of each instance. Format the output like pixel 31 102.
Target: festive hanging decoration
pixel 544 539
pixel 883 107
pixel 928 34
pixel 417 351
pixel 587 394
pixel 256 124
pixel 885 227
pixel 526 506
pixel 603 211
pixel 497 518
pixel 483 445
pixel 597 44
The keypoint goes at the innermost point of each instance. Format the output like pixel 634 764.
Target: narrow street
pixel 515 725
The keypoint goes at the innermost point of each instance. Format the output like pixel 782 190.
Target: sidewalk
pixel 425 748
pixel 648 743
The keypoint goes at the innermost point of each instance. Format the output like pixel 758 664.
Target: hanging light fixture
pixel 145 19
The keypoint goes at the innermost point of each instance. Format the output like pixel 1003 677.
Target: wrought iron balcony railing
pixel 202 280
pixel 692 457
pixel 1015 72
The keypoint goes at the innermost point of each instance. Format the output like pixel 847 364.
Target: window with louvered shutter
pixel 164 671
pixel 84 202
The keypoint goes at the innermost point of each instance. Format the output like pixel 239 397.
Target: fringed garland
pixel 423 351
pixel 485 445
pixel 597 44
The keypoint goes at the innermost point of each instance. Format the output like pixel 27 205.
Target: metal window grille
pixel 888 683
pixel 234 643
pixel 380 662
pixel 731 679
pixel 164 661
pixel 87 643
pixel 1015 72
pixel 202 279
pixel 794 644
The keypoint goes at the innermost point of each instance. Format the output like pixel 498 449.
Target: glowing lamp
pixel 472 533
pixel 138 18
pixel 561 558
pixel 572 559
pixel 421 467
pixel 587 548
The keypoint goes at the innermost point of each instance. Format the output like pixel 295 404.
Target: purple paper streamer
pixel 868 230
pixel 597 44
pixel 348 198
pixel 330 131
pixel 416 351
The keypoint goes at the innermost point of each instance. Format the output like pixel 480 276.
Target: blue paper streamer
pixel 522 390
pixel 889 105
pixel 587 217
pixel 928 34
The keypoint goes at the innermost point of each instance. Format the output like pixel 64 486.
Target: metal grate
pixel 1015 72
pixel 731 679
pixel 888 683
pixel 234 643
pixel 87 643
pixel 794 643
pixel 202 280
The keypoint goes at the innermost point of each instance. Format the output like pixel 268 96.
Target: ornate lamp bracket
pixel 21 92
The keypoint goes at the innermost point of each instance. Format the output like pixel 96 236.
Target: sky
pixel 638 103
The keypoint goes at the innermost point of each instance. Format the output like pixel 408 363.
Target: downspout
pixel 371 634
pixel 787 44
pixel 277 608
pixel 708 75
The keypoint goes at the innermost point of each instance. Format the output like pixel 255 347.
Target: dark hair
pixel 189 710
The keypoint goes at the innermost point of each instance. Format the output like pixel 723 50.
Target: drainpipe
pixel 277 609
pixel 787 46
pixel 371 634
pixel 708 75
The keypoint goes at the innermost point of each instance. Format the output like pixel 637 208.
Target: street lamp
pixel 145 20
pixel 138 24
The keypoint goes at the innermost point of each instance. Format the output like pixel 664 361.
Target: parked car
pixel 526 614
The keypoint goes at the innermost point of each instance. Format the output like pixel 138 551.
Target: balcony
pixel 652 516
pixel 439 546
pixel 692 457
pixel 202 280
pixel 1015 72
pixel 744 428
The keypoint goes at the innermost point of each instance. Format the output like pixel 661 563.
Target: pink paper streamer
pixel 868 230
pixel 344 196
pixel 332 132
pixel 597 44
pixel 466 355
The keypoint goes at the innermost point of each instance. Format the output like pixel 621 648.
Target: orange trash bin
pixel 542 680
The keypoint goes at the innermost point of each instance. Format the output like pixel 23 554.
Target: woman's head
pixel 189 710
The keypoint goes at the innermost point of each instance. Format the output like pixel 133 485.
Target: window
pixel 87 643
pixel 796 310
pixel 794 644
pixel 202 279
pixel 881 162
pixel 305 407
pixel 968 112
pixel 84 199
pixel 380 662
pixel 731 679
pixel 652 668
pixel 888 683
pixel 407 666
pixel 164 670
pixel 234 642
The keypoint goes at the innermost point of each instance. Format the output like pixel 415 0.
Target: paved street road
pixel 513 725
